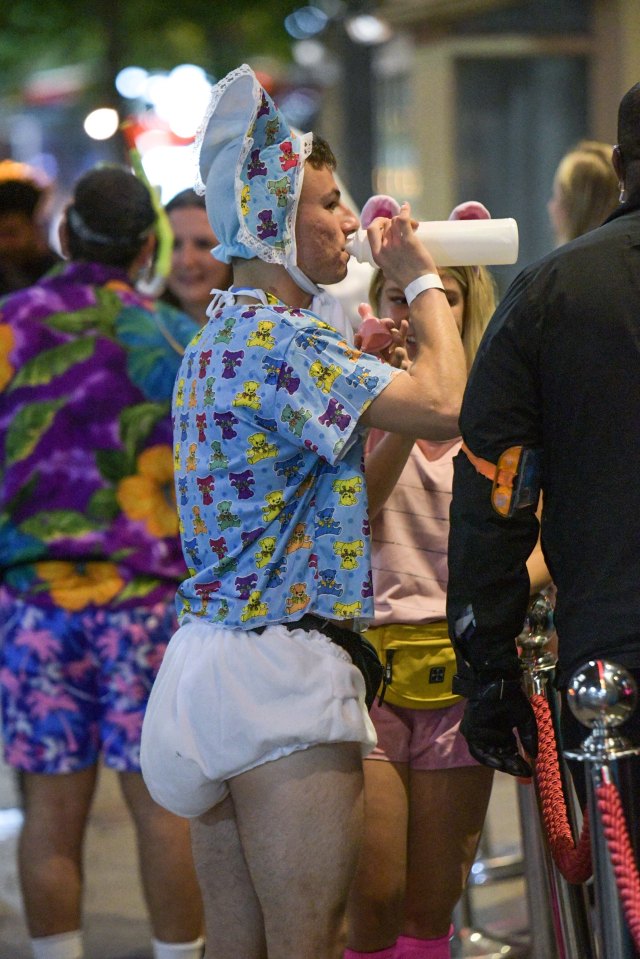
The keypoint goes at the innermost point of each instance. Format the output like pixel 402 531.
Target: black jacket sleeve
pixel 488 581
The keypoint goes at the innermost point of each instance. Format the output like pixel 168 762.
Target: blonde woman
pixel 425 796
pixel 585 190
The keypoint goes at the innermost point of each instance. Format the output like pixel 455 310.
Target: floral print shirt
pixel 269 468
pixel 87 506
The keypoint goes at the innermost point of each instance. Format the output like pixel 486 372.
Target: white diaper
pixel 225 701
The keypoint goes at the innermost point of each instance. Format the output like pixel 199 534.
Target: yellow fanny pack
pixel 419 664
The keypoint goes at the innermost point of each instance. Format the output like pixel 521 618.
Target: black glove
pixel 494 709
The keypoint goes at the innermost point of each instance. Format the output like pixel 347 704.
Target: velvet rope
pixel 622 858
pixel 573 861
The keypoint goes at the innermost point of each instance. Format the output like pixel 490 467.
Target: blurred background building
pixel 479 99
pixel 434 101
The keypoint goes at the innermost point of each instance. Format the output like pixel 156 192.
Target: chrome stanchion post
pixel 488 869
pixel 531 862
pixel 538 663
pixel 602 696
pixel 558 910
pixel 537 659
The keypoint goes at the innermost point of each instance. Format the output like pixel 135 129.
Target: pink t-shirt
pixel 410 535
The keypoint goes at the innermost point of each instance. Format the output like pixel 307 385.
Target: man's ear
pixel 616 159
pixel 149 246
pixel 63 237
pixel 144 258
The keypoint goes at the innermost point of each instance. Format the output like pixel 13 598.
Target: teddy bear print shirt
pixel 269 468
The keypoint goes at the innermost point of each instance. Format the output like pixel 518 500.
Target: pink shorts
pixel 424 738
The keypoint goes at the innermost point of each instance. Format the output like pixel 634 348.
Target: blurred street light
pixel 101 124
pixel 309 53
pixel 335 45
pixel 305 22
pixel 179 98
pixel 368 29
pixel 131 82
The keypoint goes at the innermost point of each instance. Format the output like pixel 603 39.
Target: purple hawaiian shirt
pixel 87 505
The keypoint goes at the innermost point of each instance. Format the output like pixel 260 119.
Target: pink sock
pixel 409 948
pixel 380 954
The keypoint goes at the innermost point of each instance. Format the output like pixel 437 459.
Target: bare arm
pixel 425 401
pixel 537 568
pixel 539 575
pixel 387 453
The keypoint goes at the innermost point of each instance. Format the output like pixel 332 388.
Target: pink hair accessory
pixel 471 210
pixel 374 335
pixel 378 205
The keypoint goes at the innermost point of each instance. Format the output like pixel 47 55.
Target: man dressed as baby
pixel 258 720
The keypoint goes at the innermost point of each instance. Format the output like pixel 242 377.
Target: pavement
pixel 491 922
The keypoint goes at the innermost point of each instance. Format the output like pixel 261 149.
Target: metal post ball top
pixel 602 694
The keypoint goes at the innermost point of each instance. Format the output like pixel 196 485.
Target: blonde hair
pixel 587 186
pixel 479 293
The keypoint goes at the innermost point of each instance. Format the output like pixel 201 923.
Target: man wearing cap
pixel 257 722
pixel 90 558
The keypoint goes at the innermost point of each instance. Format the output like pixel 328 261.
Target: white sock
pixel 178 950
pixel 66 945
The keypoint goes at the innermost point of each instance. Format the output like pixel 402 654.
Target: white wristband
pixel 428 281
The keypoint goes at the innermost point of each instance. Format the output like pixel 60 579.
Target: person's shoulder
pixel 10 300
pixel 295 317
pixel 306 323
pixel 580 257
pixel 15 304
pixel 291 323
pixel 181 326
pixel 534 278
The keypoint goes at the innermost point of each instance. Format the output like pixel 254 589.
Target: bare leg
pixel 50 849
pixel 300 821
pixel 447 811
pixel 234 923
pixel 166 865
pixel 375 908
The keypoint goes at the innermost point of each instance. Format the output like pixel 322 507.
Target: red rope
pixel 622 858
pixel 573 861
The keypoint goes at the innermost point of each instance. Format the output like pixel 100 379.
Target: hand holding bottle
pixel 468 238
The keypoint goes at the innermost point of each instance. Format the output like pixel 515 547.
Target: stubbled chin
pixel 342 271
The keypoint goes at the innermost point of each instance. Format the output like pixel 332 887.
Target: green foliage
pixel 36 36
pixel 110 34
